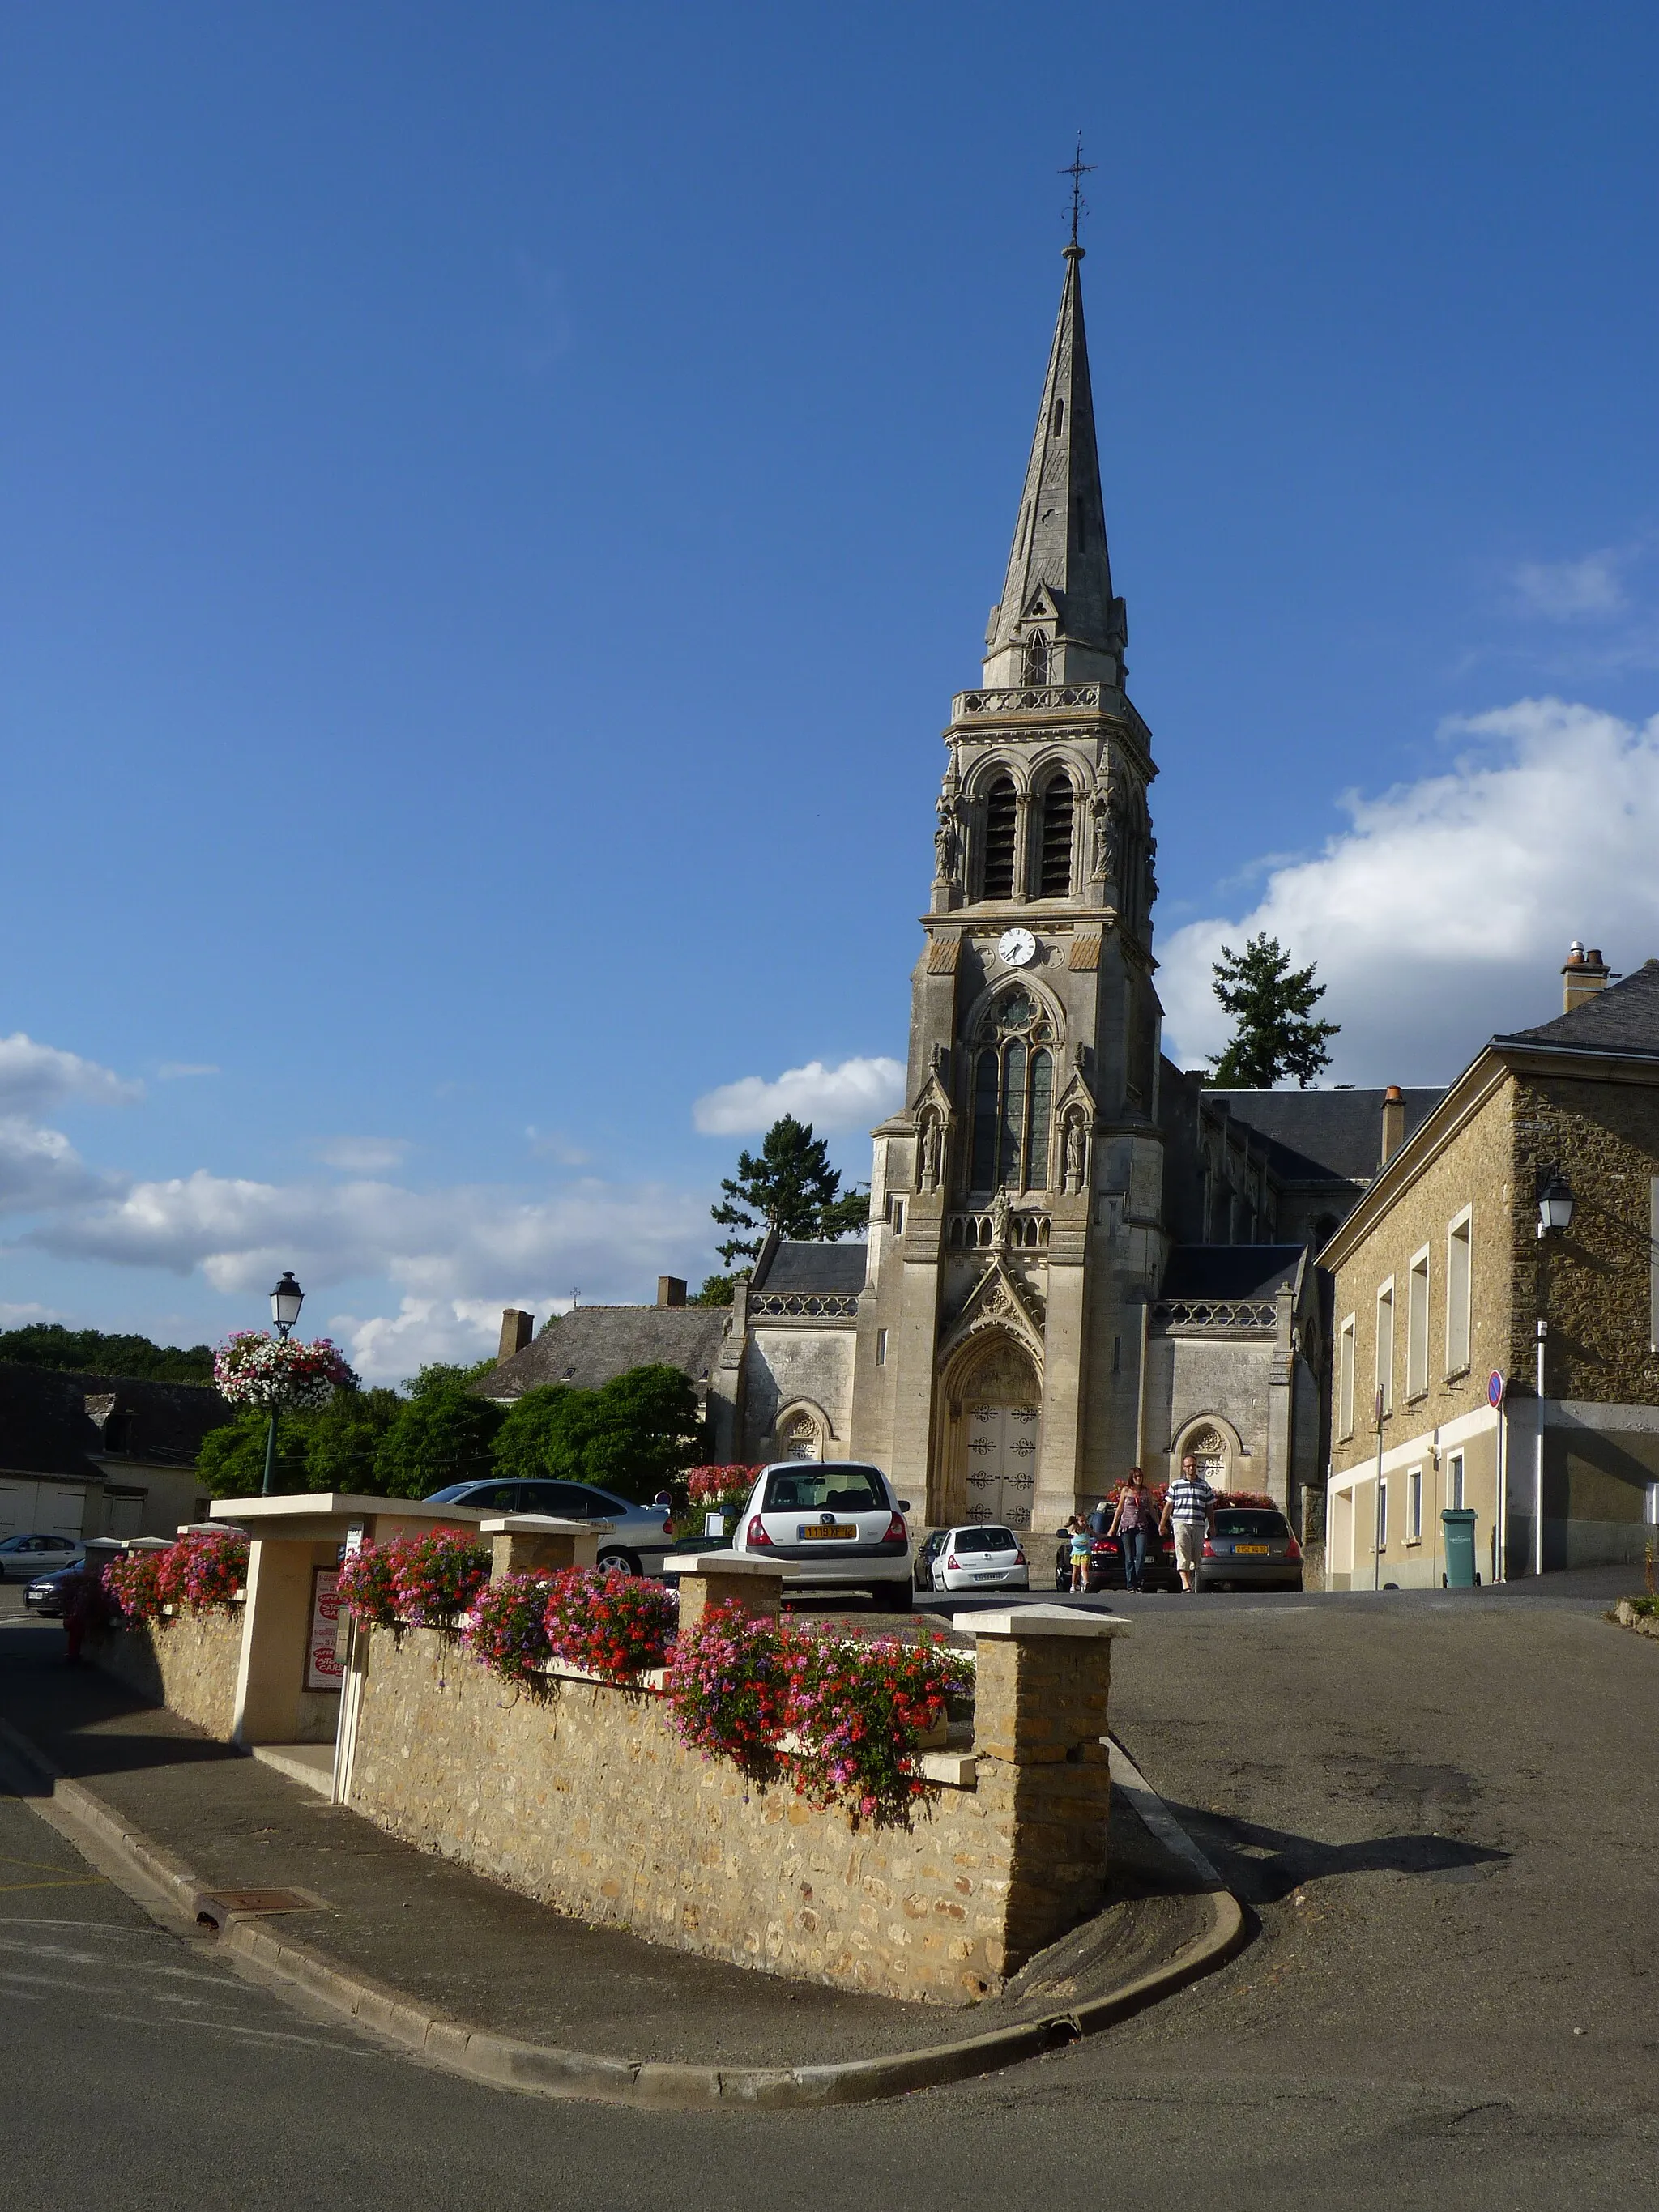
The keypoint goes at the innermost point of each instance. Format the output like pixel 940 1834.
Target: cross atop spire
pixel 1057 621
pixel 1077 169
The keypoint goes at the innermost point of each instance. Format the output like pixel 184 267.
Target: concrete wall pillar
pixel 270 1674
pixel 711 1578
pixel 522 1543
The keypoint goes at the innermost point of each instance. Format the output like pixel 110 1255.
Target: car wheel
pixel 894 1597
pixel 622 1563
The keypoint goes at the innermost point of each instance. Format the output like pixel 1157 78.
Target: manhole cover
pixel 218 1905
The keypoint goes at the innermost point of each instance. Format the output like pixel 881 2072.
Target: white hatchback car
pixel 981 1556
pixel 837 1525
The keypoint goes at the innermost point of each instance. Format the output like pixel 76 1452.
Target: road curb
pixel 544 2071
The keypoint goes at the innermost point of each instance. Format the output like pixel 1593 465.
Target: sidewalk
pixel 456 1944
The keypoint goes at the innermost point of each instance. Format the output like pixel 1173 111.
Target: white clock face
pixel 1015 947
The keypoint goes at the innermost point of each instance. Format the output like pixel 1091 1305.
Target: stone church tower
pixel 1016 1232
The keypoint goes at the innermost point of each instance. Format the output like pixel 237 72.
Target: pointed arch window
pixel 1013 1098
pixel 1059 417
pixel 1001 814
pixel 1055 871
pixel 1036 658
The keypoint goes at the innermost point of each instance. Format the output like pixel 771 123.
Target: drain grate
pixel 215 1907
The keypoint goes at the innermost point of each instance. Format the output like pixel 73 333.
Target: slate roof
pixel 45 1427
pixel 1622 1018
pixel 1321 1136
pixel 796 1269
pixel 594 1344
pixel 1230 1270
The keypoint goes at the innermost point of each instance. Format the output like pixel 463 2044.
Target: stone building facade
pixel 1443 1282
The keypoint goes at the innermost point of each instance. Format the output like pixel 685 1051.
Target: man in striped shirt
pixel 1188 1507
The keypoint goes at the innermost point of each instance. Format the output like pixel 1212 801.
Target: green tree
pixel 717 1290
pixel 629 1435
pixel 342 1439
pixel 792 1188
pixel 1270 1003
pixel 90 1352
pixel 231 1463
pixel 440 1434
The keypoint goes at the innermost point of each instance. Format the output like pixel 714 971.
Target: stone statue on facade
pixel 1001 1214
pixel 1106 811
pixel 1077 1162
pixel 930 1149
pixel 947 838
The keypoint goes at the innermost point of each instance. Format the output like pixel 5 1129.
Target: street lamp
pixel 1555 1203
pixel 286 1301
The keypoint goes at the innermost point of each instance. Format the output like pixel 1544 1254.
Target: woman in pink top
pixel 1131 1524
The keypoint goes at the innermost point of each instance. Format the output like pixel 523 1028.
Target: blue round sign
pixel 1494 1388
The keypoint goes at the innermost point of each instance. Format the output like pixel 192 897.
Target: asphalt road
pixel 1443 1812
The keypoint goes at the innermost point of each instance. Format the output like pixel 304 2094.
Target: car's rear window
pixel 1242 1520
pixel 810 1489
pixel 983 1540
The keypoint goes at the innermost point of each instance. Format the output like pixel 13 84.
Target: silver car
pixel 836 1525
pixel 22 1558
pixel 1249 1548
pixel 637 1539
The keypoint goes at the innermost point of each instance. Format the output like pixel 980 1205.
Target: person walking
pixel 1189 1508
pixel 1078 1533
pixel 1131 1524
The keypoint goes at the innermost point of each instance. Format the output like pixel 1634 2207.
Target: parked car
pixel 838 1525
pixel 22 1558
pixel 1106 1563
pixel 1250 1547
pixel 636 1541
pixel 926 1552
pixel 980 1555
pixel 44 1595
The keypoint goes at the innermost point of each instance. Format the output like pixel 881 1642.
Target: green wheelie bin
pixel 1458 1524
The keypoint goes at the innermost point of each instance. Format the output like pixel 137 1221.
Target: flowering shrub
pixel 139 1584
pixel 610 1623
pixel 439 1574
pixel 857 1710
pixel 253 1368
pixel 709 1487
pixel 208 1571
pixel 88 1602
pixel 508 1630
pixel 368 1586
pixel 726 1688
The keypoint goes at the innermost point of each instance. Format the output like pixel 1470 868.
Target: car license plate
pixel 987 1578
pixel 816 1531
pixel 1250 1550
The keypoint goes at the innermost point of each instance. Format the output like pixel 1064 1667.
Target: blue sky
pixel 498 499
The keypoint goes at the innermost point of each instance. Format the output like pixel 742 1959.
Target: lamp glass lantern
pixel 286 1301
pixel 1555 1204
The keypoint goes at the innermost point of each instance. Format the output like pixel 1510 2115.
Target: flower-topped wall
pixel 255 1368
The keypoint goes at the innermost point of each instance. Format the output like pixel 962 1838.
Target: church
pixel 1079 1257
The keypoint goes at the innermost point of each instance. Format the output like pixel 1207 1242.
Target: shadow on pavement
pixel 1262 1865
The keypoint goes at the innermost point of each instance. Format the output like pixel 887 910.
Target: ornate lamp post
pixel 286 1301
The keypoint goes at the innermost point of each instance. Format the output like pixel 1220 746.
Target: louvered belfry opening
pixel 1056 870
pixel 1001 815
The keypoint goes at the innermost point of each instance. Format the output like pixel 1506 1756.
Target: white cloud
pixel 20 1316
pixel 851 1095
pixel 173 1071
pixel 549 1144
pixel 1443 913
pixel 39 1167
pixel 363 1155
pixel 1567 591
pixel 35 1076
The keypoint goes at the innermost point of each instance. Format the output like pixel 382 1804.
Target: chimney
pixel 1393 1123
pixel 1585 974
pixel 670 1290
pixel 517 1329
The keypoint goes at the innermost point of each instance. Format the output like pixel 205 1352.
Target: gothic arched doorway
pixel 997 1432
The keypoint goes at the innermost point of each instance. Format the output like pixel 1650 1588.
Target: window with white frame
pixel 1382 1516
pixel 1652 1515
pixel 1385 1345
pixel 1455 1481
pixel 1414 1505
pixel 1345 1379
pixel 881 1348
pixel 1416 1326
pixel 1459 1280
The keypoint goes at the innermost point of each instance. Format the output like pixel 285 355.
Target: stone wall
pixel 584 1799
pixel 186 1662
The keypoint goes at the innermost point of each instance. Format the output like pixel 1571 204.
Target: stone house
pixel 1451 1301
pixel 100 1454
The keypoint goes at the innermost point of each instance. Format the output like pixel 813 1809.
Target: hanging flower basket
pixel 256 1369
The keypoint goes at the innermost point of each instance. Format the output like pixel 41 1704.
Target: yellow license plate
pixel 817 1532
pixel 1251 1551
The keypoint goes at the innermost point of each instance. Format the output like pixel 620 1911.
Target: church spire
pixel 1057 621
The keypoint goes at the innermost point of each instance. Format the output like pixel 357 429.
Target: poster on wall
pixel 322 1670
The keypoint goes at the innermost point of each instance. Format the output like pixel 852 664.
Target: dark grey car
pixel 1250 1547
pixel 636 1541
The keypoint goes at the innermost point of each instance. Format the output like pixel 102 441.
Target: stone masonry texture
pixel 186 1662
